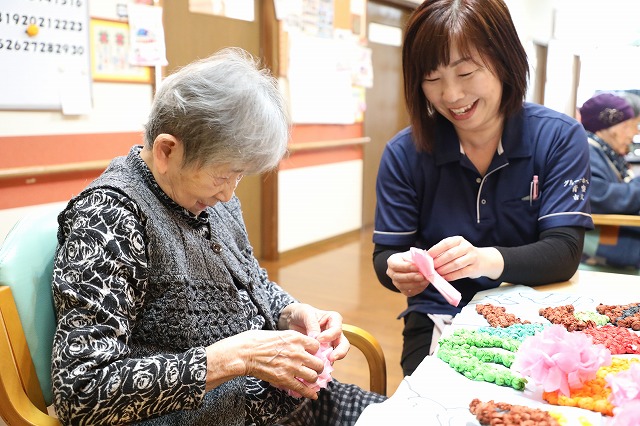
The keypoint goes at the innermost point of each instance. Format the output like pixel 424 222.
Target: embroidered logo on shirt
pixel 578 187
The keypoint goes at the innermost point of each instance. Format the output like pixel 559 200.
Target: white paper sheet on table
pixel 435 394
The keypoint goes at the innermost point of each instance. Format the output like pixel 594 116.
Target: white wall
pixel 318 202
pixel 599 34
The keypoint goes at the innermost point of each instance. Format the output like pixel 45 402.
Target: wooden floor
pixel 338 275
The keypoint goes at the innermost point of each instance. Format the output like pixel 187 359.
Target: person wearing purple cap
pixel 611 123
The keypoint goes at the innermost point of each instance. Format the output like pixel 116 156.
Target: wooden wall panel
pixel 190 36
pixel 386 113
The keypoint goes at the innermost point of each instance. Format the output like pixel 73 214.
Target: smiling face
pixel 465 92
pixel 195 186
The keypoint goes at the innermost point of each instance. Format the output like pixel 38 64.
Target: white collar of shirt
pixel 500 148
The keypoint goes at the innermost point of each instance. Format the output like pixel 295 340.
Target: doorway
pixel 386 113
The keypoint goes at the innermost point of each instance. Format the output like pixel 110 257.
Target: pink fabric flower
pixel 424 262
pixel 323 378
pixel 625 386
pixel 559 360
pixel 626 415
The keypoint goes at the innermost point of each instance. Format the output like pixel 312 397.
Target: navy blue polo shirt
pixel 425 197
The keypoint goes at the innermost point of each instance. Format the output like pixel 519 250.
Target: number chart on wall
pixel 44 54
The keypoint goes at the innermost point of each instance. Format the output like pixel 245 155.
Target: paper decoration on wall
pixel 235 9
pixel 320 80
pixel 146 36
pixel 110 54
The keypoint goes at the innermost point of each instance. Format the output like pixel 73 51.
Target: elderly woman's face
pixel 196 187
pixel 620 136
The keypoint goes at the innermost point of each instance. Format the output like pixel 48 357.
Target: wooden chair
pixel 606 232
pixel 373 353
pixel 27 324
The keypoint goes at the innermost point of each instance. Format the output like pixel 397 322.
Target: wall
pixel 584 46
pixel 34 138
pixel 41 138
pixel 318 189
pixel 81 144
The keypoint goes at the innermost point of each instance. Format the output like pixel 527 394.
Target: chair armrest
pixel 616 219
pixel 372 351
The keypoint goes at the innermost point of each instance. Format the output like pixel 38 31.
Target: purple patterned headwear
pixel 603 111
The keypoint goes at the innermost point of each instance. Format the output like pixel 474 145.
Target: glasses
pixel 219 181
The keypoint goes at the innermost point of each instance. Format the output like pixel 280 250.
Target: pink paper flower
pixel 625 386
pixel 323 378
pixel 424 262
pixel 626 415
pixel 559 360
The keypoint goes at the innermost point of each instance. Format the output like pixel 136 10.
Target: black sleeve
pixel 555 257
pixel 380 255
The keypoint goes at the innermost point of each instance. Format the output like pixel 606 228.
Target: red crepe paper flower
pixel 560 360
pixel 625 386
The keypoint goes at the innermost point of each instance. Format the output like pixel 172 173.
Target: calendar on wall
pixel 44 55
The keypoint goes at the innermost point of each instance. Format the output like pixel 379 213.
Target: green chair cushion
pixel 26 265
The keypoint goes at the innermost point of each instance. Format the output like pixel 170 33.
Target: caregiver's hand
pixel 405 275
pixel 455 258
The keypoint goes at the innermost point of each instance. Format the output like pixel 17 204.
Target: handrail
pixel 616 219
pixel 336 143
pixel 100 165
pixel 56 169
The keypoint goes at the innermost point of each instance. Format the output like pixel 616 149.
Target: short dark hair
pixel 435 26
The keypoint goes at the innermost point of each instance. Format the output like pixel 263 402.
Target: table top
pixel 608 287
pixel 616 219
pixel 435 394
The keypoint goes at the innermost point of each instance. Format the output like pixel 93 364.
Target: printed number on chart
pixel 40 47
pixel 72 3
pixel 42 22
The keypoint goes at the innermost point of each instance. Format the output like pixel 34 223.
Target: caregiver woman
pixel 495 188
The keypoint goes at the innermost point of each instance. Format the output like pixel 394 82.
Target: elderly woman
pixel 164 315
pixel 611 124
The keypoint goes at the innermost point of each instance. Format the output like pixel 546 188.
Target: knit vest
pixel 192 295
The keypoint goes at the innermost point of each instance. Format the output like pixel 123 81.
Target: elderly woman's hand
pixel 326 326
pixel 278 357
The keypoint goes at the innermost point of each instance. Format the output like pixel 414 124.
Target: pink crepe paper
pixel 625 385
pixel 424 262
pixel 559 360
pixel 626 415
pixel 323 378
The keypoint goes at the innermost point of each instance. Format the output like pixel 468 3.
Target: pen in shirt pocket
pixel 534 190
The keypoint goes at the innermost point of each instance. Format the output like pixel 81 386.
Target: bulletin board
pixel 324 63
pixel 44 52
